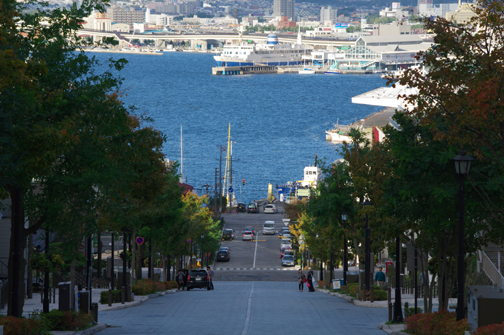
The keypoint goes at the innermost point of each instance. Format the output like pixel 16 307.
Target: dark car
pixel 241 207
pixel 197 278
pixel 223 256
pixel 252 208
pixel 228 234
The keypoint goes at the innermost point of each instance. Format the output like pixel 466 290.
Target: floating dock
pixel 269 69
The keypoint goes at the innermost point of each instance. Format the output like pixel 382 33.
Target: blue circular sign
pixel 230 190
pixel 139 240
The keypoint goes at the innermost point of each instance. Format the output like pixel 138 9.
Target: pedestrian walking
pixel 301 279
pixel 380 277
pixel 310 281
pixel 180 279
pixel 210 275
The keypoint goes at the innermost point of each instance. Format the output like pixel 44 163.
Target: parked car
pixel 284 243
pixel 269 228
pixel 247 235
pixel 223 256
pixel 286 251
pixel 282 231
pixel 270 208
pixel 288 260
pixel 197 278
pixel 225 249
pixel 287 235
pixel 241 207
pixel 252 208
pixel 250 228
pixel 228 234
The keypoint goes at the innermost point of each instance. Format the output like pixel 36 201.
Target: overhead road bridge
pixel 163 37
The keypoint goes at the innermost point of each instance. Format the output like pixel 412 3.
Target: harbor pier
pixel 235 70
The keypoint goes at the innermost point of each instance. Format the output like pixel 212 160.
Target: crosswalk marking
pixel 258 269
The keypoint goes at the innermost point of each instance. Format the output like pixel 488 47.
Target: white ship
pixel 270 53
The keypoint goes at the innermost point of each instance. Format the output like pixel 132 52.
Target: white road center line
pixel 255 253
pixel 249 308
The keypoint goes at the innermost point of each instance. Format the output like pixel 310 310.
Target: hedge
pixel 147 286
pixel 437 323
pixel 495 329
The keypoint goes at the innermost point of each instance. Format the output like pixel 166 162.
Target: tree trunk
pixel 133 255
pixel 72 285
pixel 16 259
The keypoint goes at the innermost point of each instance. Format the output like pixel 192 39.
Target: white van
pixel 269 228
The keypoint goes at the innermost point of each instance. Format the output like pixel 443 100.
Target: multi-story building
pixel 328 14
pixel 284 8
pixel 122 15
pixel 425 9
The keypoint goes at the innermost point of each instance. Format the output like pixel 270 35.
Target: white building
pixel 426 9
pixel 121 27
pixel 328 14
pixel 395 12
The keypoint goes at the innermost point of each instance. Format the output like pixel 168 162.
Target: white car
pixel 286 243
pixel 247 235
pixel 269 228
pixel 270 209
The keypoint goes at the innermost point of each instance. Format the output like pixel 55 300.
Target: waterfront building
pixel 328 14
pixel 121 27
pixel 383 52
pixel 284 8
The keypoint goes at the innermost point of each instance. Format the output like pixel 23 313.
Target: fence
pixel 408 287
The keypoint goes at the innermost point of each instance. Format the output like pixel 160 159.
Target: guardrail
pixel 491 270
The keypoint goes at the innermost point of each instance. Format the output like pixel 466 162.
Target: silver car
pixel 269 227
pixel 247 235
pixel 286 243
pixel 270 209
pixel 288 260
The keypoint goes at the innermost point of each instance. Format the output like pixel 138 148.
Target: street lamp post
pixel 367 249
pixel 397 307
pixel 332 261
pixel 462 168
pixel 344 218
pixel 321 270
pixel 202 252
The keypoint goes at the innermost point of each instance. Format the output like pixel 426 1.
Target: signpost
pixel 140 240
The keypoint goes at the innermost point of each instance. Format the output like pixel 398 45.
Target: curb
pixel 351 299
pixel 95 329
pixel 138 302
pixel 383 326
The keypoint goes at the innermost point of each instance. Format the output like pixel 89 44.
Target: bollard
pixel 110 297
pixel 123 292
pixel 406 310
pixel 94 311
pixel 389 311
pixel 393 311
pixel 371 295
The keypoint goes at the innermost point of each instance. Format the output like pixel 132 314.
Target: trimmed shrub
pixel 116 296
pixel 437 323
pixel 22 326
pixel 61 320
pixel 495 329
pixel 147 286
pixel 170 284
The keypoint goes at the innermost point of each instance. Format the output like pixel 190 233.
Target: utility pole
pixel 220 179
pixel 231 178
pixel 215 190
pixel 206 186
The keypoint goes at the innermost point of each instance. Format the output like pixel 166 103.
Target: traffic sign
pixel 140 240
pixel 230 190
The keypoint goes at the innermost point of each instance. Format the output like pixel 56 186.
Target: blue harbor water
pixel 278 121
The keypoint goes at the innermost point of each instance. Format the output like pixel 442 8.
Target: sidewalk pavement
pixel 35 304
pixel 394 329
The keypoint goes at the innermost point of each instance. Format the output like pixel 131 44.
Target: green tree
pixel 460 96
